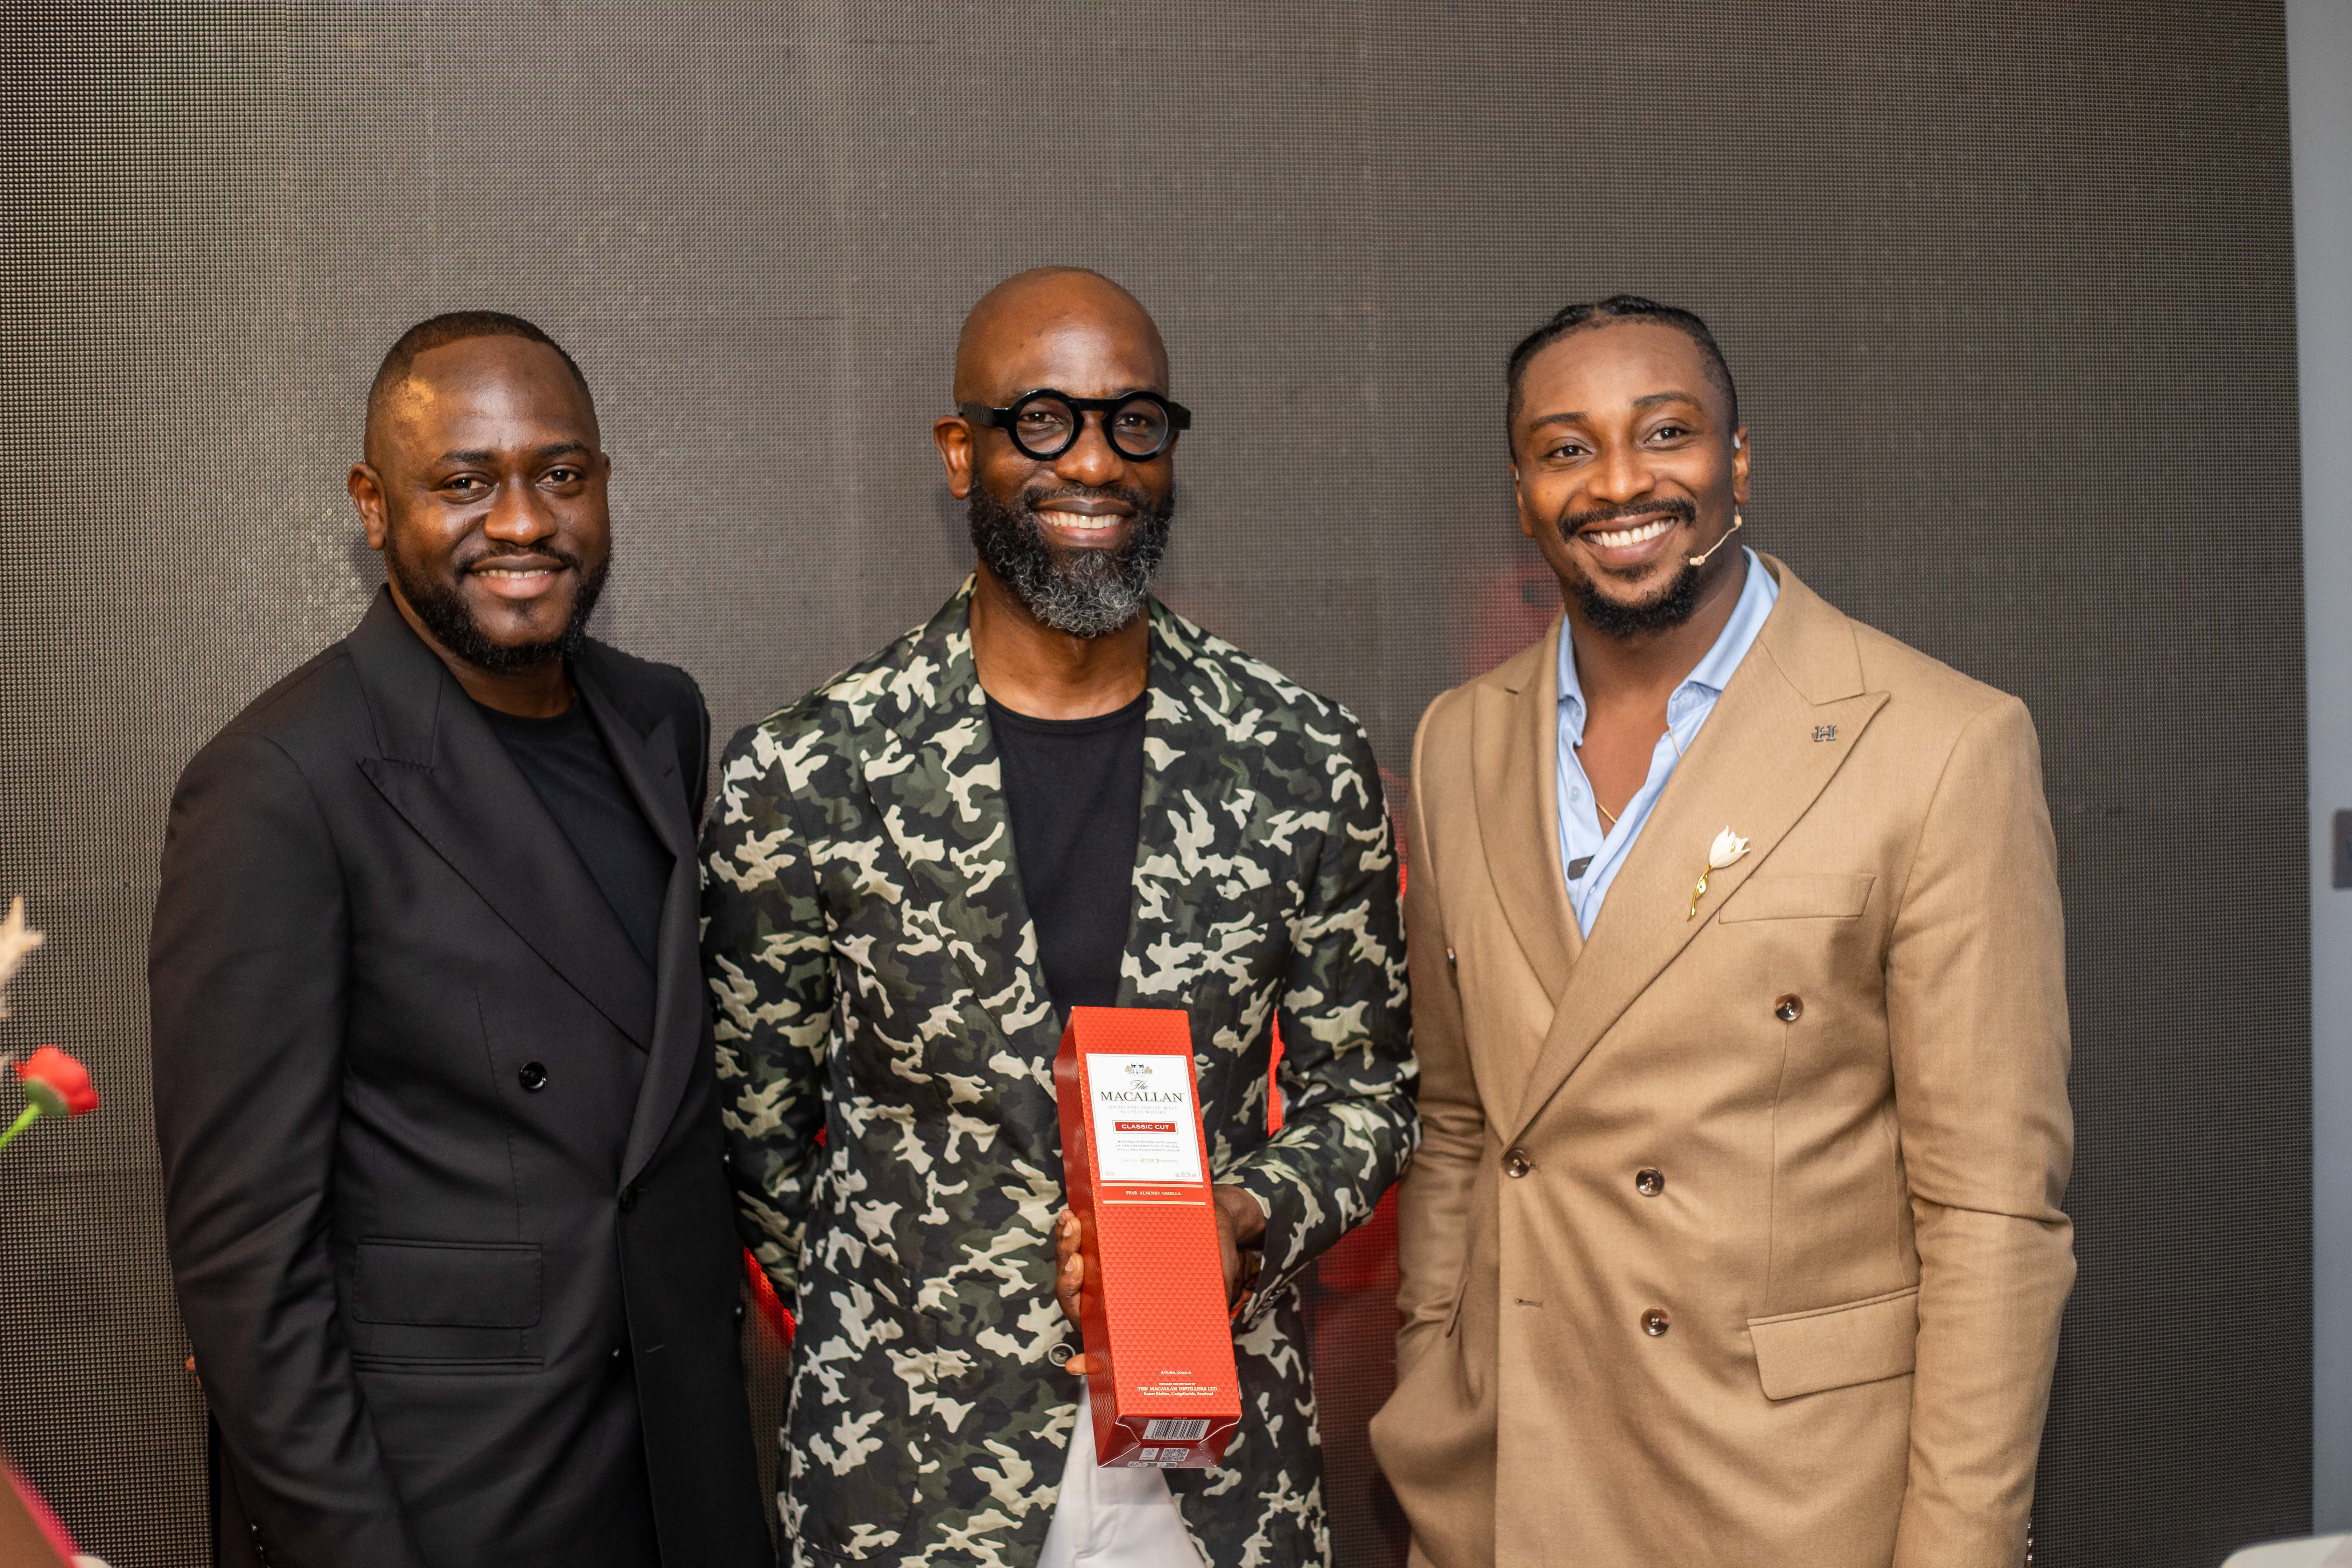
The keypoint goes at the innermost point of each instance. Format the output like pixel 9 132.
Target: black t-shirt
pixel 565 760
pixel 1075 790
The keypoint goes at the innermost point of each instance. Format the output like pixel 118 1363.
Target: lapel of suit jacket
pixel 1197 738
pixel 647 762
pixel 933 770
pixel 1755 768
pixel 447 773
pixel 1514 766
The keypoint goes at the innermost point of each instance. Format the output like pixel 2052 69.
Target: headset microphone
pixel 1737 524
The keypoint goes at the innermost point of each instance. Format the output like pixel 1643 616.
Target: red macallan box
pixel 1159 1341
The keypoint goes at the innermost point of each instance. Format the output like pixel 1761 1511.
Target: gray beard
pixel 1079 592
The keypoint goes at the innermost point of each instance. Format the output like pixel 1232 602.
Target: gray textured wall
pixel 2319 53
pixel 2009 288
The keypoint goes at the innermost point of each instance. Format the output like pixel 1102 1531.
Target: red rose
pixel 57 1083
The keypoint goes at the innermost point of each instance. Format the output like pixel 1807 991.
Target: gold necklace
pixel 1596 793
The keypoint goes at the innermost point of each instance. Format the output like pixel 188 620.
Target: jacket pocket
pixel 1832 1347
pixel 1799 896
pixel 447 1284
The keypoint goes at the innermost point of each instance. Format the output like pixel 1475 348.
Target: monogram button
pixel 533 1077
pixel 1655 1322
pixel 1789 1008
pixel 1649 1182
pixel 1516 1165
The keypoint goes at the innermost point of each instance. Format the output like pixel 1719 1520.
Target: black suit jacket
pixel 431 1303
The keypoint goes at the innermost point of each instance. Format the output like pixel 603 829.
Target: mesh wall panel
pixel 2007 287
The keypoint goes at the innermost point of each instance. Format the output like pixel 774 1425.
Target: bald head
pixel 1057 317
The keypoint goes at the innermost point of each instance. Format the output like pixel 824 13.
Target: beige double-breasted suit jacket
pixel 1735 1239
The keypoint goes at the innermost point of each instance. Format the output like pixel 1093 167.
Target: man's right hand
pixel 1069 1278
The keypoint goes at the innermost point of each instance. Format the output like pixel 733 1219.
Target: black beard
pixel 1079 592
pixel 450 619
pixel 1671 607
pixel 1615 618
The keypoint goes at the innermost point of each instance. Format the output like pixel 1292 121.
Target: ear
pixel 1519 500
pixel 953 436
pixel 366 488
pixel 1741 452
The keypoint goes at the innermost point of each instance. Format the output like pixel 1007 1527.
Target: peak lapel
pixel 646 758
pixel 1196 802
pixel 1515 763
pixel 931 769
pixel 647 764
pixel 1756 769
pixel 447 775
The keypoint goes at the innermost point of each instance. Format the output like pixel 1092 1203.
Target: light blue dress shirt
pixel 1588 856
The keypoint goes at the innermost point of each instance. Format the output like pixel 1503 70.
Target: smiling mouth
pixel 1081 521
pixel 1625 538
pixel 521 580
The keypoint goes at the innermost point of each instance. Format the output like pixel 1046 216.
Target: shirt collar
pixel 1757 594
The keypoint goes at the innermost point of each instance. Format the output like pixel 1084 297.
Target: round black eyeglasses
pixel 1045 424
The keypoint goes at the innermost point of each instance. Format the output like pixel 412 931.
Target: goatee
pixel 446 614
pixel 1082 593
pixel 1644 617
pixel 1662 612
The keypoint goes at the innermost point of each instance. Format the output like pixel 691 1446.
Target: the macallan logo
pixel 1143 1125
pixel 1135 1092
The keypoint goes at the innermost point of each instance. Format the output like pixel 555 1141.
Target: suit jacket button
pixel 1655 1322
pixel 533 1075
pixel 1649 1182
pixel 1789 1008
pixel 1516 1163
pixel 628 1198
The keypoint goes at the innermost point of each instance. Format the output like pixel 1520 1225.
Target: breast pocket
pixel 445 1303
pixel 1799 896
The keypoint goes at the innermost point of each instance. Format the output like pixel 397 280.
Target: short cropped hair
pixel 454 327
pixel 1606 312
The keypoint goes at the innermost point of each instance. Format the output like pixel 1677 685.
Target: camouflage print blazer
pixel 876 978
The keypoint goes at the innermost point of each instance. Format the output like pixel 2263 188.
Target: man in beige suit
pixel 1734 1235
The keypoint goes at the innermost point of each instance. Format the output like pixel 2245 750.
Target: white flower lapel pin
pixel 1727 847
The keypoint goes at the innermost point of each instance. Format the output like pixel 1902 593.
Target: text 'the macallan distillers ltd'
pixel 1159 1341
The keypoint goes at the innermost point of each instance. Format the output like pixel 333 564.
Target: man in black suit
pixel 443 1170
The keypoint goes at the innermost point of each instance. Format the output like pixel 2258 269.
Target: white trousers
pixel 1114 1517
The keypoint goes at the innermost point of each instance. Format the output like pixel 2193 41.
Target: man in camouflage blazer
pixel 887 1044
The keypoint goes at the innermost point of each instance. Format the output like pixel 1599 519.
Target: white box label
pixel 1146 1128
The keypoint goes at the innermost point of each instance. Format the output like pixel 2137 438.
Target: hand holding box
pixel 1159 1338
